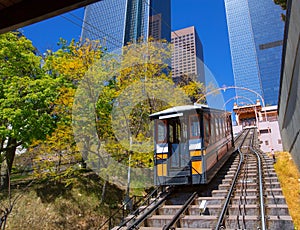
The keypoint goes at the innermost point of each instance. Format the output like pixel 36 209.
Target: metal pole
pixel 129 167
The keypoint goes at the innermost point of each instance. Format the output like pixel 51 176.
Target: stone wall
pixel 289 97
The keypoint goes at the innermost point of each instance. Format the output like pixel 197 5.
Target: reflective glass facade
pixel 255 35
pixel 104 21
pixel 117 22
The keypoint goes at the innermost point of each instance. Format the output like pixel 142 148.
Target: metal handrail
pixel 182 210
pixel 137 211
pixel 146 200
pixel 146 214
pixel 115 213
pixel 124 205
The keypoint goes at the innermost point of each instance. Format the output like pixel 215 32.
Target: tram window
pixel 223 126
pixel 229 124
pixel 178 133
pixel 174 131
pixel 213 129
pixel 206 129
pixel 184 131
pixel 194 127
pixel 161 131
pixel 217 128
pixel 220 126
pixel 171 133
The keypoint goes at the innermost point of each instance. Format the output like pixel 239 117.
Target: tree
pixel 57 157
pixel 26 97
pixel 112 107
pixel 283 4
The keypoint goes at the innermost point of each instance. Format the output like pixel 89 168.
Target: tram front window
pixel 161 132
pixel 195 127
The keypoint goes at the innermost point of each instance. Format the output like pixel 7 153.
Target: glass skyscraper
pixel 255 35
pixel 117 22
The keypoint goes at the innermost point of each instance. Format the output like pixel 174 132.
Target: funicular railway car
pixel 191 142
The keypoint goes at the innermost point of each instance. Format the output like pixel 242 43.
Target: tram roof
pixel 183 108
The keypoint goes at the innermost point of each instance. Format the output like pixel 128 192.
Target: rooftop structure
pixel 266 121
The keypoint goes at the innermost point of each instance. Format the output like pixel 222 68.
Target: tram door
pixel 178 144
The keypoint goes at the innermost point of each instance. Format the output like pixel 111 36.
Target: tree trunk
pixel 103 191
pixel 10 156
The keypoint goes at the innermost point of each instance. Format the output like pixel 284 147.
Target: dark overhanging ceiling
pixel 15 14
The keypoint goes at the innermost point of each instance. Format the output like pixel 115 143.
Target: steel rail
pixel 182 210
pixel 270 182
pixel 261 193
pixel 225 206
pixel 146 214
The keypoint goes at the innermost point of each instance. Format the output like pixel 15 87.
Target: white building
pixel 266 121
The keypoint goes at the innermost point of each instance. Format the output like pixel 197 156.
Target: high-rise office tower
pixel 255 35
pixel 187 55
pixel 117 22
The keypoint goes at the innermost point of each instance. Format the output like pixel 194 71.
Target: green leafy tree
pixel 26 97
pixel 283 4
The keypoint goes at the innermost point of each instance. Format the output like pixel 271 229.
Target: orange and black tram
pixel 191 143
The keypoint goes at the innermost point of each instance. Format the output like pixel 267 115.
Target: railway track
pixel 245 194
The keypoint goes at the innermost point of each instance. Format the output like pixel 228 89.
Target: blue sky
pixel 208 16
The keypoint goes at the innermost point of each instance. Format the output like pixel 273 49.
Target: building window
pixel 267 142
pixel 264 131
pixel 279 141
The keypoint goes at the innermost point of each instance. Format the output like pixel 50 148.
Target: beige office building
pixel 187 56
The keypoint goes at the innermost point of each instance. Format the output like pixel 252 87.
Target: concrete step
pixel 227 180
pixel 248 185
pixel 268 179
pixel 275 200
pixel 245 200
pixel 169 209
pixel 280 222
pixel 210 210
pixel 273 191
pixel 230 176
pixel 275 210
pixel 118 228
pixel 210 200
pixel 236 222
pixel 248 209
pixel 273 185
pixel 158 220
pixel 270 174
pixel 249 175
pixel 193 222
pixel 249 170
pixel 219 193
pixel 247 192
